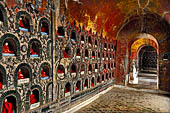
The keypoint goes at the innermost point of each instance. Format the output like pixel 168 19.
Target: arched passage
pixel 144 67
pixel 147 59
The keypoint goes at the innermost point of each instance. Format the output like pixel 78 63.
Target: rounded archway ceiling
pixel 110 15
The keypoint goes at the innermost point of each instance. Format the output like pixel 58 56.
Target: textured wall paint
pixel 110 14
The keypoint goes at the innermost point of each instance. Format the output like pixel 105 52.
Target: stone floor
pixel 128 101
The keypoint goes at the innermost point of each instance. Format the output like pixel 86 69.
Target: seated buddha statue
pixel 65 91
pixel 77 88
pixel 20 75
pixel 0 85
pixel 8 107
pixel 60 71
pixel 43 29
pixel 71 70
pixel 85 85
pixel 78 54
pixel 92 84
pixel 105 70
pixel 32 52
pixel 21 24
pixel 66 55
pixel 6 49
pixel 32 99
pixel 43 74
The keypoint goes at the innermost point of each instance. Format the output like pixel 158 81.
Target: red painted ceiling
pixel 110 14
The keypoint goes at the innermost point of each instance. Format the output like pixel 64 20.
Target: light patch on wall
pixel 139 43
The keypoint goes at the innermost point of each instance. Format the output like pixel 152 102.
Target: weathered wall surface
pixel 122 21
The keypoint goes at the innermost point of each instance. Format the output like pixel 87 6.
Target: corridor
pixel 129 100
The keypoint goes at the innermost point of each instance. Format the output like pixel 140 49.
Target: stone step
pixel 146 75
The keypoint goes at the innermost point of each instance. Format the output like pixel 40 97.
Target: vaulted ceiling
pixel 110 15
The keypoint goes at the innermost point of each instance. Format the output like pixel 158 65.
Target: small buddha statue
pixel 78 54
pixel 21 24
pixel 32 52
pixel 65 91
pixel 43 74
pixel 20 75
pixel 0 85
pixel 8 107
pixel 105 70
pixel 6 49
pixel 92 84
pixel 77 88
pixel 66 55
pixel 59 71
pixel 43 29
pixel 71 70
pixel 32 98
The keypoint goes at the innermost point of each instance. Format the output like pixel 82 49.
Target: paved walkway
pixel 129 100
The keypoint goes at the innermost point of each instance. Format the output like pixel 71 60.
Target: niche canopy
pixel 34 99
pixel 90 41
pixel 67 90
pixel 82 39
pixel 78 54
pixel 9 105
pixel 92 82
pixel 34 50
pixel 67 52
pixel 77 87
pixel 44 28
pixel 23 75
pixel 60 32
pixel 93 55
pixel 24 24
pixel 60 71
pixel 73 70
pixel 9 47
pixel 44 72
pixel 86 84
pixel 73 37
pixel 86 54
pixel 1 18
pixel 82 69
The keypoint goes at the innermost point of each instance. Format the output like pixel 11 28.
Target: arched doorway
pixel 147 67
pixel 144 66
pixel 147 60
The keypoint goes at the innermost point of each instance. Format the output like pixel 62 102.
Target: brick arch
pixel 46 64
pixel 29 17
pixel 27 104
pixel 11 93
pixel 16 73
pixel 4 12
pixel 47 21
pixel 3 38
pixel 29 45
